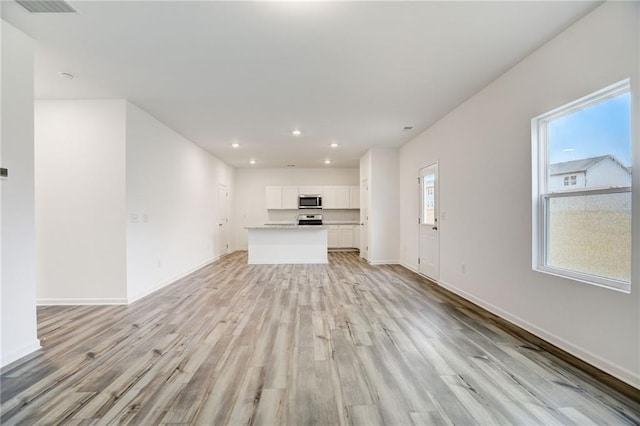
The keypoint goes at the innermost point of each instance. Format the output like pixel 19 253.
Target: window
pixel 582 189
pixel 570 180
pixel 429 200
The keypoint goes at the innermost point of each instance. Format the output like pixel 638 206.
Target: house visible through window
pixel 582 189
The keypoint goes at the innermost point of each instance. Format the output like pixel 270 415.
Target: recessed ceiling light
pixel 235 145
pixel 66 75
pixel 407 128
pixel 327 161
pixel 334 145
pixel 252 161
pixel 296 132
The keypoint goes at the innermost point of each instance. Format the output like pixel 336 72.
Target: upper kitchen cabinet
pixel 335 197
pixel 282 197
pixel 290 197
pixel 274 197
pixel 312 190
pixel 354 197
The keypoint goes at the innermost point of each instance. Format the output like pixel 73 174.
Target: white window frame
pixel 541 195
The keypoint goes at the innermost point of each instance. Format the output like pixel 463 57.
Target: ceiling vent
pixel 46 6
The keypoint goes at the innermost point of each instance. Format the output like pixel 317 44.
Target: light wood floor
pixel 344 343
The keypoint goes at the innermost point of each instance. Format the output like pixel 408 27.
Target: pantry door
pixel 364 219
pixel 223 220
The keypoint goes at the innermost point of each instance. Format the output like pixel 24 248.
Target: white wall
pixel 484 153
pixel 384 229
pixel 99 164
pixel 172 187
pixel 18 280
pixel 250 206
pixel 80 201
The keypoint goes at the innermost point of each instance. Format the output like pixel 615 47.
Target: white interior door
pixel 364 219
pixel 223 220
pixel 429 260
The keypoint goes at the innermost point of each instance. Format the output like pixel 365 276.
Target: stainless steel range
pixel 309 219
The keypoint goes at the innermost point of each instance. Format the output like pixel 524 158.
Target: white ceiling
pixel 354 73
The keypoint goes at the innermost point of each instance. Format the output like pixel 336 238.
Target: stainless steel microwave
pixel 309 201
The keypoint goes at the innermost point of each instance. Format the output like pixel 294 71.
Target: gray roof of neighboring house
pixel 577 166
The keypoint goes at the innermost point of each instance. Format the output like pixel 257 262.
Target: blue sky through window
pixel 601 129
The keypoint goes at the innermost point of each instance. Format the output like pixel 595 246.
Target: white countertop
pixel 286 226
pixel 291 224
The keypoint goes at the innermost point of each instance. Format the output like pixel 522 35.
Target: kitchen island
pixel 287 244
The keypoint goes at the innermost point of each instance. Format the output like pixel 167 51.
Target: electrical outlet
pixel 134 217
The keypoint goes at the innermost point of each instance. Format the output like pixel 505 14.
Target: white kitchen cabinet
pixel 356 236
pixel 290 197
pixel 354 197
pixel 345 236
pixel 274 197
pixel 311 190
pixel 329 197
pixel 341 197
pixel 282 197
pixel 332 236
pixel 335 197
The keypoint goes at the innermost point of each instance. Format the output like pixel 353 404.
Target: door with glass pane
pixel 429 260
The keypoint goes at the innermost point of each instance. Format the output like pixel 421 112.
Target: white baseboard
pixel 172 280
pixel 409 267
pixel 119 300
pixel 16 354
pixel 81 301
pixel 384 262
pixel 623 374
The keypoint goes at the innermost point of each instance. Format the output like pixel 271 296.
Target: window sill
pixel 609 284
